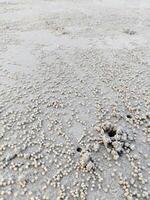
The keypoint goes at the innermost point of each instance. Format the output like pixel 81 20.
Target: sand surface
pixel 74 99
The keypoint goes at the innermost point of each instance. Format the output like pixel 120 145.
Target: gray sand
pixel 74 99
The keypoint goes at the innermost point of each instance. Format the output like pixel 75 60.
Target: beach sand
pixel 74 100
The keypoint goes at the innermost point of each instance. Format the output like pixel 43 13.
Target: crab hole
pixel 112 133
pixel 79 149
pixel 129 116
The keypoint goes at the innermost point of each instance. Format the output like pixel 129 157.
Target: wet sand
pixel 74 100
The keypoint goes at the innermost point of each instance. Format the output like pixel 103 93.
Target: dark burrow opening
pixel 112 133
pixel 129 116
pixel 79 149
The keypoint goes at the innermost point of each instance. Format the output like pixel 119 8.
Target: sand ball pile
pixel 116 140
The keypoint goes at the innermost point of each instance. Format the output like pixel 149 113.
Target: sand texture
pixel 74 99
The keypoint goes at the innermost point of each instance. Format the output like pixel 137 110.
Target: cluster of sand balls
pixel 115 139
pixel 86 163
